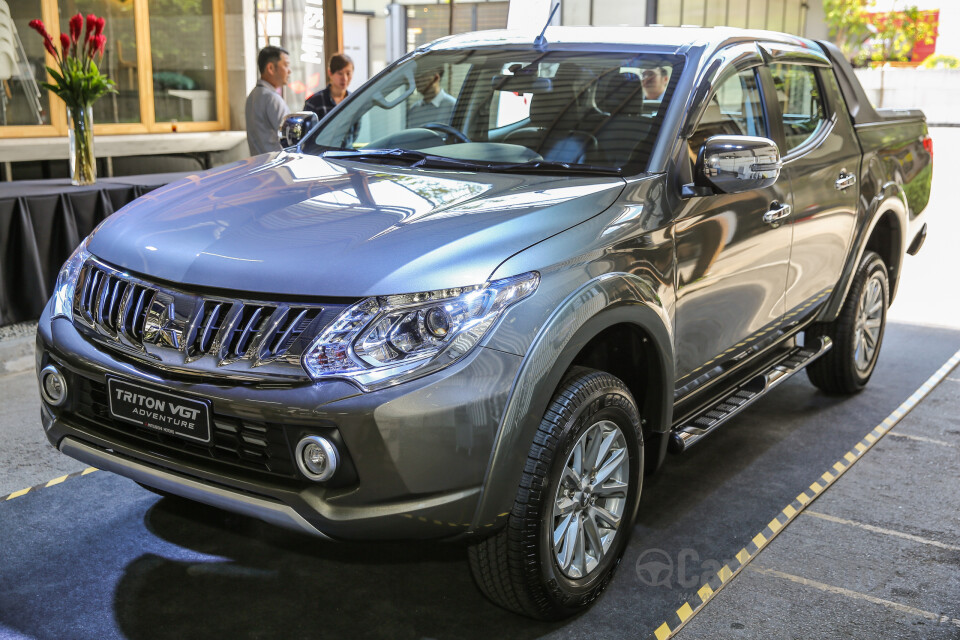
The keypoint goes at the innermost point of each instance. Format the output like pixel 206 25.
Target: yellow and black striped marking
pixel 788 513
pixel 55 481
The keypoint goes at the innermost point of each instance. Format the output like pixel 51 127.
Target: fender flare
pixel 612 299
pixel 891 198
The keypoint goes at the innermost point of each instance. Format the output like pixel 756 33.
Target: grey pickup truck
pixel 486 295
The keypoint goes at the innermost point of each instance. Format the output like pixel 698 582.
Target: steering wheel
pixel 445 128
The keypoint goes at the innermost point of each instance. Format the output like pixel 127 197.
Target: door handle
pixel 845 180
pixel 777 213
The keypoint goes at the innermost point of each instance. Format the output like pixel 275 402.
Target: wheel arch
pixel 884 233
pixel 581 330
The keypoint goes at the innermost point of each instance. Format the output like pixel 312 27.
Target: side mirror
pixel 734 164
pixel 295 126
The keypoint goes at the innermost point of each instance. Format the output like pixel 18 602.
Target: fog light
pixel 53 386
pixel 317 458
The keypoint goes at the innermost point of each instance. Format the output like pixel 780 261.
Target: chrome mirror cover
pixel 295 126
pixel 734 164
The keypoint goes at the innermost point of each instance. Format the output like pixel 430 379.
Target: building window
pixel 182 48
pixel 426 23
pixel 789 16
pixel 119 57
pixel 22 101
pixel 166 58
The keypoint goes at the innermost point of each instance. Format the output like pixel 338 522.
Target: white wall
pixel 936 91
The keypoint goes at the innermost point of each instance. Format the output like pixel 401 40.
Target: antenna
pixel 540 44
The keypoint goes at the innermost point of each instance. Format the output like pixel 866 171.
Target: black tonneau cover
pixel 861 110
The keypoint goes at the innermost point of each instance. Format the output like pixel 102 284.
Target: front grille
pixel 108 301
pixel 251 445
pixel 203 333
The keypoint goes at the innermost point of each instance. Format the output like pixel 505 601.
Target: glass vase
pixel 83 164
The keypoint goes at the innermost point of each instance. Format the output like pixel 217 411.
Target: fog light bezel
pixel 329 450
pixel 46 372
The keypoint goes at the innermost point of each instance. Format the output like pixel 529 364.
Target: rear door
pixel 821 158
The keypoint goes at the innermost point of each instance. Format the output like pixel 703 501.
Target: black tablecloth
pixel 42 222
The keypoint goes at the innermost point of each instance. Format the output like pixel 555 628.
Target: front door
pixel 732 266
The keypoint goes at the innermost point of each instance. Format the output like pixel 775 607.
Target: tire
pixel 857 333
pixel 518 568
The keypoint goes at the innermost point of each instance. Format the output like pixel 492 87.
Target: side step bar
pixel 691 431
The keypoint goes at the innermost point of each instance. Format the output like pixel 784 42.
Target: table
pixel 42 222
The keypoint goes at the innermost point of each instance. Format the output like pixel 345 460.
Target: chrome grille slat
pixel 261 346
pixel 123 311
pixel 243 341
pixel 286 334
pixel 209 326
pixel 89 286
pixel 192 333
pixel 101 299
pixel 221 342
pixel 112 306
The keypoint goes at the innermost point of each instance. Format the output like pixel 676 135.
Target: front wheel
pixel 576 503
pixel 857 333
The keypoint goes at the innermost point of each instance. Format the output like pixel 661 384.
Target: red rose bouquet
pixel 79 83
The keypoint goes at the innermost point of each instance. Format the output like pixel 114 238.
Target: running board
pixel 691 431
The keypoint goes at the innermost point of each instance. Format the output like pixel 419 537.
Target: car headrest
pixel 620 93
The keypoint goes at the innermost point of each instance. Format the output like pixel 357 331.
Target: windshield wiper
pixel 552 166
pixel 419 159
pixel 403 156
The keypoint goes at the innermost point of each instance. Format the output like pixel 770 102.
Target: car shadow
pixel 253 580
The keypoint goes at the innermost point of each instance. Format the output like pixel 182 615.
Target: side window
pixel 735 109
pixel 801 102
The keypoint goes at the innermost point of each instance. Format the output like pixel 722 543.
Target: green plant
pixel 899 30
pixel 864 35
pixel 941 61
pixel 848 20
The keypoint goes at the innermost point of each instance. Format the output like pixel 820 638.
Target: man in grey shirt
pixel 265 108
pixel 435 104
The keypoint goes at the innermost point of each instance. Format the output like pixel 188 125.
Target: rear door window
pixel 801 103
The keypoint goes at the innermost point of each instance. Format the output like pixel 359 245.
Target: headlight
pixel 386 340
pixel 67 282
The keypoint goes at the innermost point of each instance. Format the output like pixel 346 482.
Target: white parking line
pixel 887 532
pixel 929 615
pixel 909 436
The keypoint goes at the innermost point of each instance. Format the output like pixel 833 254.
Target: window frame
pixel 50 14
pixel 829 113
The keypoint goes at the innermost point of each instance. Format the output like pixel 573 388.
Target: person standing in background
pixel 265 107
pixel 340 73
pixel 435 104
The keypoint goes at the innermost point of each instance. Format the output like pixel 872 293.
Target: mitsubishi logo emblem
pixel 161 327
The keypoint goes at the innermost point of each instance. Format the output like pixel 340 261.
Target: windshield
pixel 510 108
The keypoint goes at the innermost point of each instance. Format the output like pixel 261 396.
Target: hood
pixel 294 224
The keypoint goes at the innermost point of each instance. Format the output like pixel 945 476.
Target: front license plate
pixel 158 410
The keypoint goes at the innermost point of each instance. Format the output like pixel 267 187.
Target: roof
pixel 675 37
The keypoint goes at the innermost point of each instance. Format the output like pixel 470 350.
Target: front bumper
pixel 414 456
